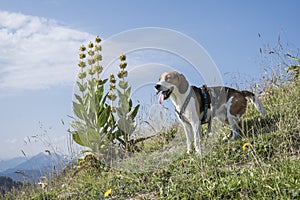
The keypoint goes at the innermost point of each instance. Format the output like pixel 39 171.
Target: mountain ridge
pixel 32 169
pixel 11 163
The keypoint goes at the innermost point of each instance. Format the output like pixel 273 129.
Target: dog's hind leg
pixel 208 131
pixel 232 119
pixel 233 122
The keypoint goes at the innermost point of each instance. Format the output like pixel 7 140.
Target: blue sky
pixel 39 44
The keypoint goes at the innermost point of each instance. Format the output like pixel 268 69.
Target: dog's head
pixel 170 83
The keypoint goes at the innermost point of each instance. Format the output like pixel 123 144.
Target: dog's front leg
pixel 189 134
pixel 197 133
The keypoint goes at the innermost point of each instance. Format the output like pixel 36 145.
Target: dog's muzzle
pixel 166 92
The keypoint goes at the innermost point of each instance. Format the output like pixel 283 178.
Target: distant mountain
pixel 33 169
pixel 6 184
pixel 7 164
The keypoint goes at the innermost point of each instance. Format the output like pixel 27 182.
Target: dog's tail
pixel 253 98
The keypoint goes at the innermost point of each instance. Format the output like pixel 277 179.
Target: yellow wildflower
pixel 245 146
pixel 91 72
pixel 108 193
pixel 97 48
pixel 112 96
pixel 91 61
pixel 82 56
pixel 91 53
pixel 123 57
pixel 122 74
pixel 181 162
pixel 112 78
pixel 82 48
pixel 97 39
pixel 81 64
pixel 90 45
pixel 98 68
pixel 97 80
pixel 123 65
pixel 81 75
pixel 112 86
pixel 98 57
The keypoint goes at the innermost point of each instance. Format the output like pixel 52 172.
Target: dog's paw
pixel 198 153
pixel 227 139
pixel 189 151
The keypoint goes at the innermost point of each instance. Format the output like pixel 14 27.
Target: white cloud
pixel 37 53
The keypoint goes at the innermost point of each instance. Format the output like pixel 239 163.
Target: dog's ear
pixel 183 84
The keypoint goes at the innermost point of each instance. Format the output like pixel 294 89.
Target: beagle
pixel 196 106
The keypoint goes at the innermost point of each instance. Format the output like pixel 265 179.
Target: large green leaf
pixel 79 99
pixel 134 112
pixel 102 104
pixel 127 92
pixel 123 104
pixel 90 138
pixel 82 87
pixel 93 102
pixel 120 111
pixel 121 95
pixel 102 82
pixel 104 115
pixel 78 126
pixel 100 91
pixel 126 125
pixel 78 110
pixel 77 139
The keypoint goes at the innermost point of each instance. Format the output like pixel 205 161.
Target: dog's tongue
pixel 161 98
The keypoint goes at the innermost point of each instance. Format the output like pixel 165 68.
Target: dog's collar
pixel 186 102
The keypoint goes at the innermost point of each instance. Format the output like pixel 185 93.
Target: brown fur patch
pixel 239 101
pixel 198 100
pixel 183 84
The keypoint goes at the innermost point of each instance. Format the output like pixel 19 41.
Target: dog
pixel 195 106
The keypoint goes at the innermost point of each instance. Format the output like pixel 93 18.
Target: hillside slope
pixel 263 163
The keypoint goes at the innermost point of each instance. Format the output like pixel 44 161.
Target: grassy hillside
pixel 263 163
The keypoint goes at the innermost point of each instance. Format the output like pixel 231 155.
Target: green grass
pixel 269 168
